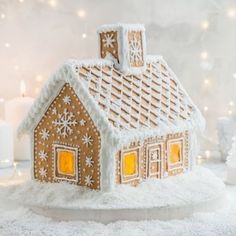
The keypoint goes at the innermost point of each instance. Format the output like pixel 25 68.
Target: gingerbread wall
pixel 154 143
pixel 67 125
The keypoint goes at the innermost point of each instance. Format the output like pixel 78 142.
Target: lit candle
pixel 15 111
pixel 6 144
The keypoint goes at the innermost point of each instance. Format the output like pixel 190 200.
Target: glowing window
pixel 66 162
pixel 130 163
pixel 175 153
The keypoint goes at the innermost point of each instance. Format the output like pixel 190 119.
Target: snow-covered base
pixel 231 175
pixel 175 197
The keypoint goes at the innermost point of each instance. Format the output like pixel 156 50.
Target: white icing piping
pixel 115 27
pixel 112 139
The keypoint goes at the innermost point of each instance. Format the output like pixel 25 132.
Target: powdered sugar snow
pixel 194 187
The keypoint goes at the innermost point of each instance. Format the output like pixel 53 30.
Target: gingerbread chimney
pixel 125 45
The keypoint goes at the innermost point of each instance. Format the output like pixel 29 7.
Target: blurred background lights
pixel 84 35
pixel 231 13
pixel 52 3
pixel 39 78
pixel 16 67
pixel 208 153
pixel 7 45
pixel 206 81
pixel 3 16
pixel 205 108
pixel 205 25
pixel 81 13
pixel 231 103
pixel 204 55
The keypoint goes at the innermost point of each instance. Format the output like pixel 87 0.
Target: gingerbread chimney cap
pixel 125 45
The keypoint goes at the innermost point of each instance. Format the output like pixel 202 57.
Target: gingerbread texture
pixel 119 119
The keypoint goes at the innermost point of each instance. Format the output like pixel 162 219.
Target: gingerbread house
pixel 118 119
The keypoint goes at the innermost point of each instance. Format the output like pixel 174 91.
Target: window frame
pixel 57 174
pixel 179 164
pixel 136 176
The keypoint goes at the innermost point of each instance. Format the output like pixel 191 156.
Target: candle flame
pixel 22 88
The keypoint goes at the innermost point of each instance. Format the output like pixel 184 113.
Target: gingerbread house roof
pixel 129 107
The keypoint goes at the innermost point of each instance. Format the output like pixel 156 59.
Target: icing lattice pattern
pixel 144 101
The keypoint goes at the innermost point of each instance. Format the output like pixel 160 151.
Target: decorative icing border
pixel 179 164
pixel 130 178
pixel 64 146
pixel 155 146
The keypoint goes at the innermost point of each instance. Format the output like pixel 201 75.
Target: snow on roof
pixel 114 27
pixel 152 103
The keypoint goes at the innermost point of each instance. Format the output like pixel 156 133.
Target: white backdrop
pixel 197 38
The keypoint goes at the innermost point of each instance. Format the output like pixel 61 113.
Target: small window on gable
pixel 65 163
pixel 130 165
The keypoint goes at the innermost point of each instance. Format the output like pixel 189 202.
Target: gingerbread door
pixel 155 155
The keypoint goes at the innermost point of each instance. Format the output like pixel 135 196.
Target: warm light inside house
pixel 175 153
pixel 66 162
pixel 22 88
pixel 130 163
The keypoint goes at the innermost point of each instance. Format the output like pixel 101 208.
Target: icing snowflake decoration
pixel 135 50
pixel 87 140
pixel 67 100
pixel 43 155
pixel 43 172
pixel 54 111
pixel 88 180
pixel 108 40
pixel 44 134
pixel 64 123
pixel 82 122
pixel 89 161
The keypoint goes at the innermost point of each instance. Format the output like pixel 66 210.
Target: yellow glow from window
pixel 175 152
pixel 130 163
pixel 66 162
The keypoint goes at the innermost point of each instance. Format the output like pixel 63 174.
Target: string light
pixel 231 103
pixel 234 75
pixel 81 13
pixel 208 153
pixel 205 108
pixel 2 100
pixel 204 55
pixel 231 13
pixel 7 45
pixel 206 81
pixel 230 112
pixel 52 3
pixel 16 67
pixel 205 25
pixel 3 16
pixel 84 35
pixel 39 78
pixel 21 1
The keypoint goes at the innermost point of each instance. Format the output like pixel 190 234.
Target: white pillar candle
pixel 15 111
pixel 6 144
